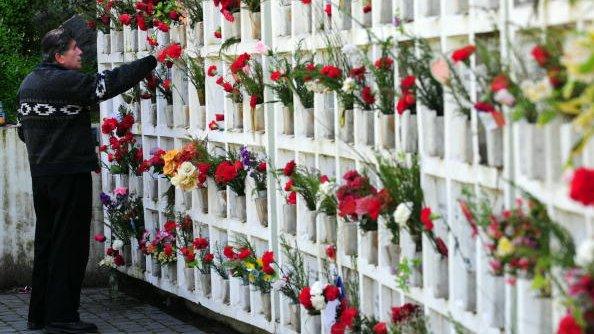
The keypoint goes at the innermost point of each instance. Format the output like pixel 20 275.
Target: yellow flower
pixel 251 278
pixel 169 159
pixel 504 247
pixel 260 263
pixel 250 266
pixel 267 278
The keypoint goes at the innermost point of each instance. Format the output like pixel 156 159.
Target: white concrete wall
pixel 17 214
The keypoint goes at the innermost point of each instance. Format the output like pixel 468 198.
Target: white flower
pixel 318 302
pixel 585 253
pixel 504 97
pixel 348 85
pixel 107 262
pixel 117 244
pixel 316 87
pixel 186 169
pixel 536 91
pixel 326 188
pixel 317 288
pixel 402 213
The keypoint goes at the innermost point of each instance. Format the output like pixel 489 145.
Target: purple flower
pixel 246 157
pixel 105 199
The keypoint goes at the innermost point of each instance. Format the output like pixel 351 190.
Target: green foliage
pixel 22 25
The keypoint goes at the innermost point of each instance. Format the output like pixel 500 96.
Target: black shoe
pixel 35 326
pixel 71 327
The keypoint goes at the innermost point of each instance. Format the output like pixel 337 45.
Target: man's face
pixel 71 58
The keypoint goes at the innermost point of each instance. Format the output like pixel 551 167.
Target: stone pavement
pixel 124 315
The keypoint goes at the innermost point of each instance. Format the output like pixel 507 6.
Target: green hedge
pixel 22 25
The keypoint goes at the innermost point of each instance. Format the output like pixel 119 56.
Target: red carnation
pixel 357 72
pixel 328 9
pixel 324 179
pixel 289 168
pixel 370 205
pixel 407 82
pixel 292 198
pixel 253 101
pixel 384 63
pixel 219 117
pixel 463 54
pixel 125 19
pixel 267 269
pixel 118 260
pixel 568 325
pixel 275 75
pixel 426 219
pixel 109 124
pixel 289 185
pixel 229 253
pixel 306 2
pixel 166 84
pixel 582 186
pixel 200 243
pixel 152 41
pixel 168 249
pixel 212 71
pixel 331 72
pixel 484 106
pixel 225 172
pixel 367 95
pixel 220 81
pixel 499 82
pixel 169 226
pixel 331 292
pixel 213 125
pixel 239 63
pixel 102 148
pixel 207 258
pixel 174 15
pixel 262 166
pixel 267 257
pixel 540 55
pixel 100 238
pixel 244 253
pixel 380 328
pixel 367 8
pixel 331 252
pixel 217 33
pixel 305 298
pixel 141 22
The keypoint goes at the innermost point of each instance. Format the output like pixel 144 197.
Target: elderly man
pixel 56 128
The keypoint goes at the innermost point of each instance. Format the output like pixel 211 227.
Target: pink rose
pixel 440 71
pixel 122 191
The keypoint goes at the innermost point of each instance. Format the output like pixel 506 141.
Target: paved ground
pixel 125 315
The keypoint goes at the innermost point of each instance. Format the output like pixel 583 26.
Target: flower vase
pixel 310 324
pixel 152 115
pixel 433 131
pixel 349 238
pixel 408 132
pixel 294 316
pixel 290 218
pixel 186 117
pixel 262 207
pixel 285 20
pixel 169 272
pixel 204 199
pixel 155 266
pixel 255 24
pixel 288 120
pixel 329 222
pixel 222 293
pixel 154 189
pixel 117 41
pixel 327 123
pixel 244 297
pixel 302 18
pixel 106 43
pixel 266 305
pixel 534 311
pixel 494 140
pixel 169 115
pixel 238 116
pixel 373 243
pixel 140 260
pixel 239 208
pixel 135 185
pixel 387 137
pixel 127 255
pixel 205 287
pixel 123 181
pixel 532 137
pixel 309 221
pixel 189 278
pixel 308 122
pixel 188 200
pixel 491 306
pixel 130 39
pixel 393 252
pixel 258 118
pixel 364 127
pixel 221 201
pixel 232 29
pixel 345 126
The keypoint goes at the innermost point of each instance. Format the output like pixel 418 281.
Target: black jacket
pixel 55 118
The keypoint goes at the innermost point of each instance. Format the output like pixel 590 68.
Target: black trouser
pixel 63 209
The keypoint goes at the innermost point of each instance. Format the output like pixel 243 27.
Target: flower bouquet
pixel 256 169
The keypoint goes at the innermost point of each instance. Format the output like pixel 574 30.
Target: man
pixel 56 128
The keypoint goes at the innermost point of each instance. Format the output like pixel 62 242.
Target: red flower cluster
pixel 331 72
pixel 121 150
pixel 330 292
pixel 347 315
pixel 384 63
pixel 227 8
pixel 118 260
pixel 407 100
pixel 169 226
pixel 240 62
pixel 289 168
pixel 328 9
pixel 405 312
pixel 125 19
pixel 367 95
pixel 463 54
pixel 188 254
pixel 358 198
pixel 212 70
pixel 367 8
pixel 275 75
pixel 582 186
pixel 200 243
pixel 171 52
pixel 227 171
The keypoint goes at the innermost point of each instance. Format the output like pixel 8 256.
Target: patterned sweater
pixel 55 118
